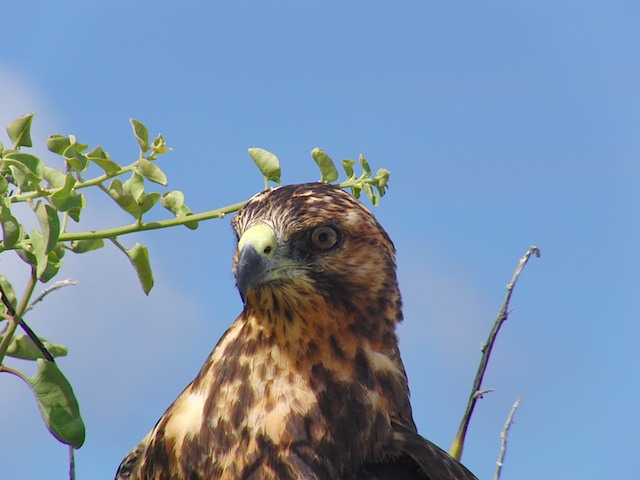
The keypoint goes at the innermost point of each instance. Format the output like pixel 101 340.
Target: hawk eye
pixel 324 237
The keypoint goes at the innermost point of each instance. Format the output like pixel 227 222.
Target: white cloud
pixel 20 96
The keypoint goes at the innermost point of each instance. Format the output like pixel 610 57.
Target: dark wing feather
pixel 429 461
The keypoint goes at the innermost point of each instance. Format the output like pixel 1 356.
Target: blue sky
pixel 504 124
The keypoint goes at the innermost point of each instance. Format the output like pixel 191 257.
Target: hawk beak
pixel 256 248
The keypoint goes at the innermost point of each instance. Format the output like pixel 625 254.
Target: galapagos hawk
pixel 308 382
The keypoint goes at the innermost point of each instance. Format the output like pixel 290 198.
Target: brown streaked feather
pixel 308 381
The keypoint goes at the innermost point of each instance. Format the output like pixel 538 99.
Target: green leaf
pixel 83 246
pixel 328 169
pixel 64 190
pixel 49 225
pixel 8 290
pixel 75 205
pixel 38 251
pixel 382 177
pixel 80 147
pixel 24 167
pixel 66 200
pixel 141 134
pixel 103 160
pixel 55 177
pixel 373 196
pixel 4 185
pixel 10 228
pixel 58 143
pixel 139 257
pixel 26 256
pixel 134 187
pixel 267 162
pixel 151 171
pixel 74 158
pixel 348 165
pixel 54 262
pixel 23 347
pixel 58 404
pixel 174 202
pixel 20 131
pixel 149 201
pixel 124 200
pixel 365 166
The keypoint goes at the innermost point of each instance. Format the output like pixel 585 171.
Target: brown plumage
pixel 307 383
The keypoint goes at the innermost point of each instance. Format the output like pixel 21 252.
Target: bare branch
pixel 72 464
pixel 480 393
pixel 503 439
pixel 458 442
pixel 51 288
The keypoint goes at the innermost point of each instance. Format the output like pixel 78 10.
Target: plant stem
pixel 88 183
pixel 139 227
pixel 458 442
pixel 14 372
pixel 357 182
pixel 504 435
pixel 14 319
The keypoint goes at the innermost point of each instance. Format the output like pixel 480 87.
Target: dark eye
pixel 324 237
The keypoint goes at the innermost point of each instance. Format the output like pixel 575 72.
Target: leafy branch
pixel 56 198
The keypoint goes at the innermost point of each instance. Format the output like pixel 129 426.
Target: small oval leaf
pixel 151 171
pixel 10 228
pixel 141 133
pixel 103 160
pixel 328 169
pixel 83 246
pixel 58 143
pixel 74 158
pixel 267 162
pixel 58 404
pixel 134 187
pixel 139 257
pixel 174 202
pixel 49 225
pixel 38 251
pixel 348 165
pixel 20 131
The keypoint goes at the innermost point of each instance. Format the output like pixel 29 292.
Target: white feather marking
pixel 186 417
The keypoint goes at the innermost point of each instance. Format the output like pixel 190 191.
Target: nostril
pixel 267 250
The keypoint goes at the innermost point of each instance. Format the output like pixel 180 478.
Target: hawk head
pixel 313 252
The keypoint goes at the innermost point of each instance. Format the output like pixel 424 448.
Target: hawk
pixel 308 382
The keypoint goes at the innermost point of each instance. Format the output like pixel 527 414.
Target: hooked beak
pixel 256 251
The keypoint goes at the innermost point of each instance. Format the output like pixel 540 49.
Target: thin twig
pixel 480 393
pixel 503 439
pixel 51 288
pixel 72 464
pixel 503 314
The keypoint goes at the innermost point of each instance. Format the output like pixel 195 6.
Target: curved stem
pixel 458 442
pixel 15 372
pixel 140 227
pixel 80 184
